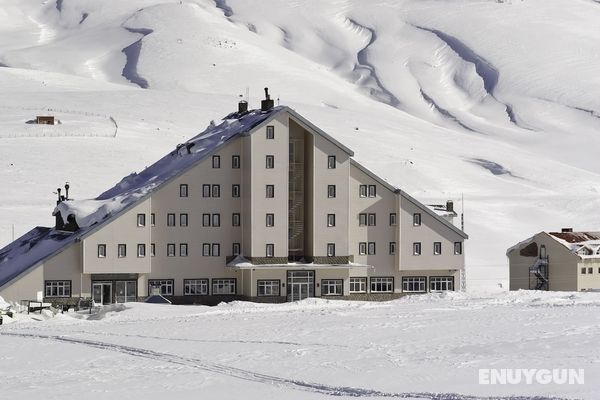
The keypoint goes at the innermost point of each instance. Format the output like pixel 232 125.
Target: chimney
pixel 67 191
pixel 450 206
pixel 267 103
pixel 567 230
pixel 243 106
pixel 59 196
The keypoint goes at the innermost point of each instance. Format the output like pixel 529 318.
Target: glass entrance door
pixel 301 285
pixel 125 291
pixel 102 292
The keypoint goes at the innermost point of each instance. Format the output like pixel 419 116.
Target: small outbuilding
pixel 45 120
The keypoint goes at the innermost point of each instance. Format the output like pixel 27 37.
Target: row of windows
pixel 193 287
pixel 214 190
pixel 208 249
pixel 588 270
pixel 410 284
pixel 437 248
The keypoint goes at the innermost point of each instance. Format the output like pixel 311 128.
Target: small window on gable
pixel 122 250
pixel 235 190
pixel 330 249
pixel 270 191
pixel 416 219
pixel 270 161
pixel 331 163
pixel 362 190
pixel 270 132
pixel 417 248
pixel 270 250
pixel 235 162
pixel 183 190
pixel 331 191
pixel 437 248
pixel 141 220
pixel 457 247
pixel 101 251
pixel 216 161
pixel 270 220
pixel 372 190
pixel 393 219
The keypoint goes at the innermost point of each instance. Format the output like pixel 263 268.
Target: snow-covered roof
pixel 584 244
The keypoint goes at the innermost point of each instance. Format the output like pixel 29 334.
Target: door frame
pixel 116 282
pixel 102 284
pixel 311 288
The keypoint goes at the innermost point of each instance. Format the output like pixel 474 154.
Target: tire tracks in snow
pixel 258 377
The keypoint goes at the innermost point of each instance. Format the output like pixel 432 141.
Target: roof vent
pixel 567 230
pixel 450 206
pixel 267 103
pixel 243 106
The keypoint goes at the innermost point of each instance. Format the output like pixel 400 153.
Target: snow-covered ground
pixel 314 349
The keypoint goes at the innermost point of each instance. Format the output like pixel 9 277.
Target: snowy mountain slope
pixel 494 100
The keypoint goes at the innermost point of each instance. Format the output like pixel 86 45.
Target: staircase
pixel 539 272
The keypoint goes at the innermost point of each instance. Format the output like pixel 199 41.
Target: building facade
pixel 264 206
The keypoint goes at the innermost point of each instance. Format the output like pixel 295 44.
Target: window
pixel 235 162
pixel 183 220
pixel 171 250
pixel 590 270
pixel 152 250
pixel 122 250
pixel 183 250
pixel 392 248
pixel 332 287
pixel 583 270
pixel 331 162
pixel 457 247
pixel 382 285
pixel 270 132
pixel 372 191
pixel 362 248
pixel 223 286
pixel 268 287
pixel 270 191
pixel 235 190
pixel 141 220
pixel 236 249
pixel 216 161
pixel 437 248
pixel 205 190
pixel 362 190
pixel 441 283
pixel 371 219
pixel 270 250
pixel 58 289
pixel 164 286
pixel 393 219
pixel 362 219
pixel 371 248
pixel 170 219
pixel 235 219
pixel 414 284
pixel 216 190
pixel 330 191
pixel 101 251
pixel 206 249
pixel 205 219
pixel 270 162
pixel 417 219
pixel 358 285
pixel 330 249
pixel 183 190
pixel 270 220
pixel 330 219
pixel 211 249
pixel 141 250
pixel 416 248
pixel 216 220
pixel 152 219
pixel 195 287
pixel 216 250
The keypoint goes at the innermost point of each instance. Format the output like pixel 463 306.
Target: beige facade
pixel 279 212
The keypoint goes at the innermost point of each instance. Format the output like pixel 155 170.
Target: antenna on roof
pixel 462 212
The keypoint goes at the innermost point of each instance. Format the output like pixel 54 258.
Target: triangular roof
pixel 573 242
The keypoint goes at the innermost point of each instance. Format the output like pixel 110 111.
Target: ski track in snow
pixel 132 52
pixel 257 377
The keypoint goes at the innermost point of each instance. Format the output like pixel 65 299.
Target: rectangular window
pixel 206 249
pixel 393 219
pixel 141 250
pixel 270 162
pixel 235 162
pixel 164 286
pixel 216 161
pixel 171 250
pixel 457 247
pixel 215 249
pixel 358 285
pixel 235 190
pixel 58 289
pixel 330 219
pixel 441 283
pixel 183 219
pixel 416 219
pixel 416 248
pixel 362 248
pixel 236 249
pixel 372 191
pixel 268 287
pixel 372 219
pixel 101 251
pixel 414 284
pixel 216 190
pixel 183 190
pixel 270 132
pixel 437 248
pixel 362 219
pixel 332 287
pixel 205 219
pixel 216 220
pixel 141 220
pixel 195 287
pixel 392 248
pixel 583 271
pixel 223 286
pixel 152 219
pixel 152 250
pixel 371 248
pixel 590 270
pixel 330 249
pixel 270 220
pixel 235 219
pixel 331 164
pixel 122 250
pixel 183 250
pixel 362 190
pixel 206 190
pixel 170 219
pixel 270 250
pixel 330 191
pixel 382 285
pixel 270 191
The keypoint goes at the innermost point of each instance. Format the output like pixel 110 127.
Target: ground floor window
pixel 165 286
pixel 358 285
pixel 223 286
pixel 382 285
pixel 441 283
pixel 268 287
pixel 414 284
pixel 58 288
pixel 332 287
pixel 195 287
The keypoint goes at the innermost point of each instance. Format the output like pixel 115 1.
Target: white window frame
pixel 121 250
pixel 183 190
pixel 371 248
pixel 372 190
pixel 270 250
pixel 141 250
pixel 331 162
pixel 270 134
pixel 183 249
pixel 331 191
pixel 358 285
pixel 330 249
pixel 410 282
pixel 417 219
pixel 195 287
pixel 382 284
pixel 224 286
pixel 141 220
pixel 332 287
pixel 102 250
pixel 441 283
pixel 362 248
pixel 417 248
pixel 362 219
pixel 269 161
pixel 57 288
pixel 171 250
pixel 362 191
pixel 166 286
pixel 268 287
pixel 437 248
pixel 458 248
pixel 330 220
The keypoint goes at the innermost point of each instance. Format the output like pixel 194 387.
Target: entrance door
pixel 102 292
pixel 125 291
pixel 301 285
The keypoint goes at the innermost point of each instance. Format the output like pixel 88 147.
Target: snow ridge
pixel 132 52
